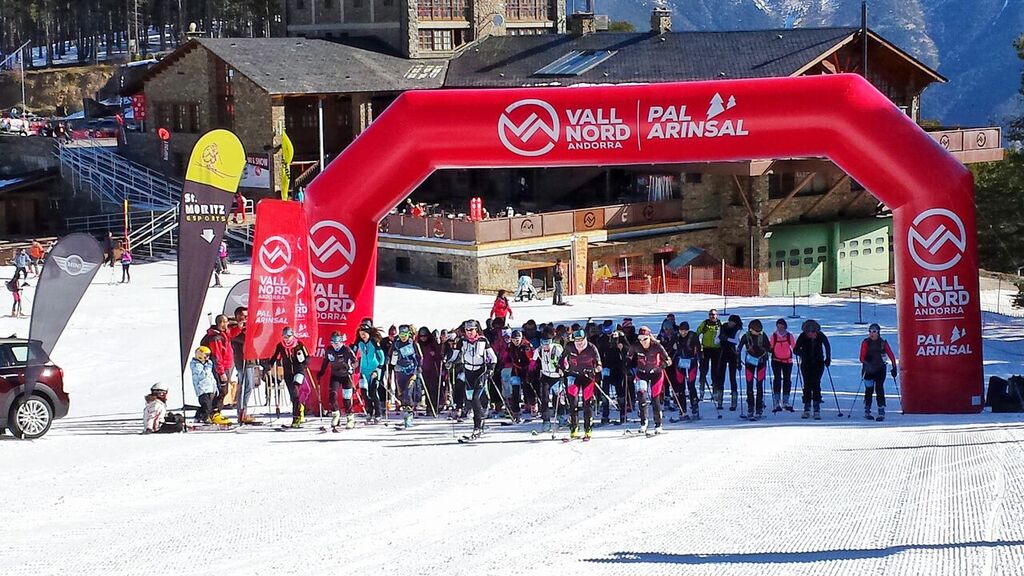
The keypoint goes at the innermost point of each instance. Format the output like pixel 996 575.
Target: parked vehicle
pixel 98 128
pixel 29 416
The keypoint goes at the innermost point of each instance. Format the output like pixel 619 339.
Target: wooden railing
pixel 972 144
pixel 534 225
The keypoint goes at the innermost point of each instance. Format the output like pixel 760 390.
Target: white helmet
pixel 158 387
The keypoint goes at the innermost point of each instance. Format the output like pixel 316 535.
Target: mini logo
pixel 334 248
pixel 957 334
pixel 241 299
pixel 275 254
pixel 300 281
pixel 522 120
pixel 73 265
pixel 526 226
pixel 649 212
pixel 589 219
pixel 937 239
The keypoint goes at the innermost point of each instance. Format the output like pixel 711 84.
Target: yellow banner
pixel 287 154
pixel 217 160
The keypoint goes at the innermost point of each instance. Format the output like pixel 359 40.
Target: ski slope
pixel 915 495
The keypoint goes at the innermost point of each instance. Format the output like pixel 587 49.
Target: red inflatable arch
pixel 840 117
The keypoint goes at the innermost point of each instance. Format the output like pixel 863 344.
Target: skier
pixel 430 369
pixel 15 288
pixel 686 358
pixel 501 308
pixel 755 352
pixel 782 342
pixel 666 336
pixel 649 359
pixel 219 343
pixel 548 356
pixel 728 364
pixel 873 368
pixel 293 358
pixel 711 353
pixel 205 384
pixel 340 360
pixel 406 360
pixel 521 354
pixel 613 349
pixel 478 360
pixel 371 364
pixel 155 418
pixel 582 363
pixel 455 375
pixel 814 354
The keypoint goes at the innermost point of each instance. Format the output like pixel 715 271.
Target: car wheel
pixel 30 417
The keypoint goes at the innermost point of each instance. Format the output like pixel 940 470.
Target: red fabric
pixel 501 308
pixel 588 389
pixel 760 373
pixel 782 347
pixel 220 349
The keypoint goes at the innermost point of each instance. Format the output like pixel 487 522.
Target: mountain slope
pixel 968 42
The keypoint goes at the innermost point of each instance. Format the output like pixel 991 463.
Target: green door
pixel 799 259
pixel 864 253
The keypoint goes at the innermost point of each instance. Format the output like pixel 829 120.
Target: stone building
pixel 322 94
pixel 783 226
pixel 420 28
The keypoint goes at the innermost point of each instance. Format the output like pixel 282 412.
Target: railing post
pixel 689 280
pixel 664 285
pixel 627 275
pixel 152 223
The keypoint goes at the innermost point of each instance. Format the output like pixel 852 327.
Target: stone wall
pixel 423 270
pixel 20 154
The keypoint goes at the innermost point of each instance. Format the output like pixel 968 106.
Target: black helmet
pixel 755 325
pixel 874 327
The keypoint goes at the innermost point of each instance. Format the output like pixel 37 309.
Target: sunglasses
pixel 470 329
pixel 872 331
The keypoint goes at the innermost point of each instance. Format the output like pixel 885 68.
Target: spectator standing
pixel 21 262
pixel 556 299
pixel 501 308
pixel 222 256
pixel 36 254
pixel 126 262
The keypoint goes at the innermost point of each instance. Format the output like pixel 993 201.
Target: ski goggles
pixel 545 342
pixel 579 335
pixel 337 340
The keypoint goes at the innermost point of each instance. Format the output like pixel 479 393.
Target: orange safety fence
pixel 652 279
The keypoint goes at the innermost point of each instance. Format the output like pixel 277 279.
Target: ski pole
pixel 834 395
pixel 426 392
pixel 896 382
pixel 854 403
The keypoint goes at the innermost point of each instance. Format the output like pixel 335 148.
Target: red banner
pixel 279 292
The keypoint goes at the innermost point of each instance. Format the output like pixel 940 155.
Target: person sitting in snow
pixel 155 417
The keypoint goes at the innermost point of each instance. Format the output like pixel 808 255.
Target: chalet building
pixel 321 94
pixel 420 28
pixel 790 226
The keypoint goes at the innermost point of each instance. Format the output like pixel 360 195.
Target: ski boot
pixel 302 414
pixel 881 414
pixel 786 405
pixel 807 413
pixel 350 421
pixel 335 418
pixel 296 423
pixel 867 414
pixel 694 414
pixel 407 418
pixel 586 436
pixel 658 430
pixel 477 432
pixel 643 428
pixel 220 420
pixel 605 421
pixel 574 433
pixel 817 413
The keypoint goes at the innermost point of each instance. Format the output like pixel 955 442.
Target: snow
pixel 917 495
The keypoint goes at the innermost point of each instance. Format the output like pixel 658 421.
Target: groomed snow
pixel 917 495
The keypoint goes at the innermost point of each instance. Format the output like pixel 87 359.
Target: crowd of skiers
pixel 542 371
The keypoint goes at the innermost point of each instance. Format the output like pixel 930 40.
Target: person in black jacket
pixel 340 360
pixel 814 354
pixel 728 341
pixel 613 349
pixel 293 357
pixel 686 358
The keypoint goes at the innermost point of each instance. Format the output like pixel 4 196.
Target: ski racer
pixel 649 359
pixel 292 357
pixel 477 357
pixel 873 351
pixel 582 363
pixel 814 354
pixel 340 361
pixel 755 352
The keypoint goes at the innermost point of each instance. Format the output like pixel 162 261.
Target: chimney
pixel 661 20
pixel 582 23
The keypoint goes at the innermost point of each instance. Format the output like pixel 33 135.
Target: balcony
pixel 612 217
pixel 972 145
pixel 442 10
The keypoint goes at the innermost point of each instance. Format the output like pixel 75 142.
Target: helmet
pixel 735 319
pixel 287 331
pixel 470 325
pixel 643 331
pixel 506 333
pixel 684 325
pixel 203 350
pixel 874 327
pixel 517 334
pixel 337 337
pixel 579 335
pixel 755 325
pixel 158 388
pixel 607 328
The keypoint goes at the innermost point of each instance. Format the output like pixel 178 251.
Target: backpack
pixel 12 285
pixel 757 346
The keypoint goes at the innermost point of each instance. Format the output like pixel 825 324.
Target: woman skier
pixel 293 358
pixel 649 359
pixel 755 351
pixel 873 351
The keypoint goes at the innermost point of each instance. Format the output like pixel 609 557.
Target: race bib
pixel 642 386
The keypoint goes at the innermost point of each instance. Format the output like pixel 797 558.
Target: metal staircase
pixel 110 179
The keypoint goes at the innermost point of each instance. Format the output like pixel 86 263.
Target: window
pixel 180 117
pixel 822 250
pixel 794 252
pixel 794 262
pixel 444 270
pixel 808 260
pixel 441 10
pixel 867 241
pixel 822 259
pixel 437 40
pixel 842 254
pixel 17 355
pixel 854 253
pixel 694 177
pixel 854 244
pixel 880 240
pixel 403 265
pixel 528 10
pixel 575 63
pixel 224 83
pixel 780 254
pixel 808 250
pixel 879 250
